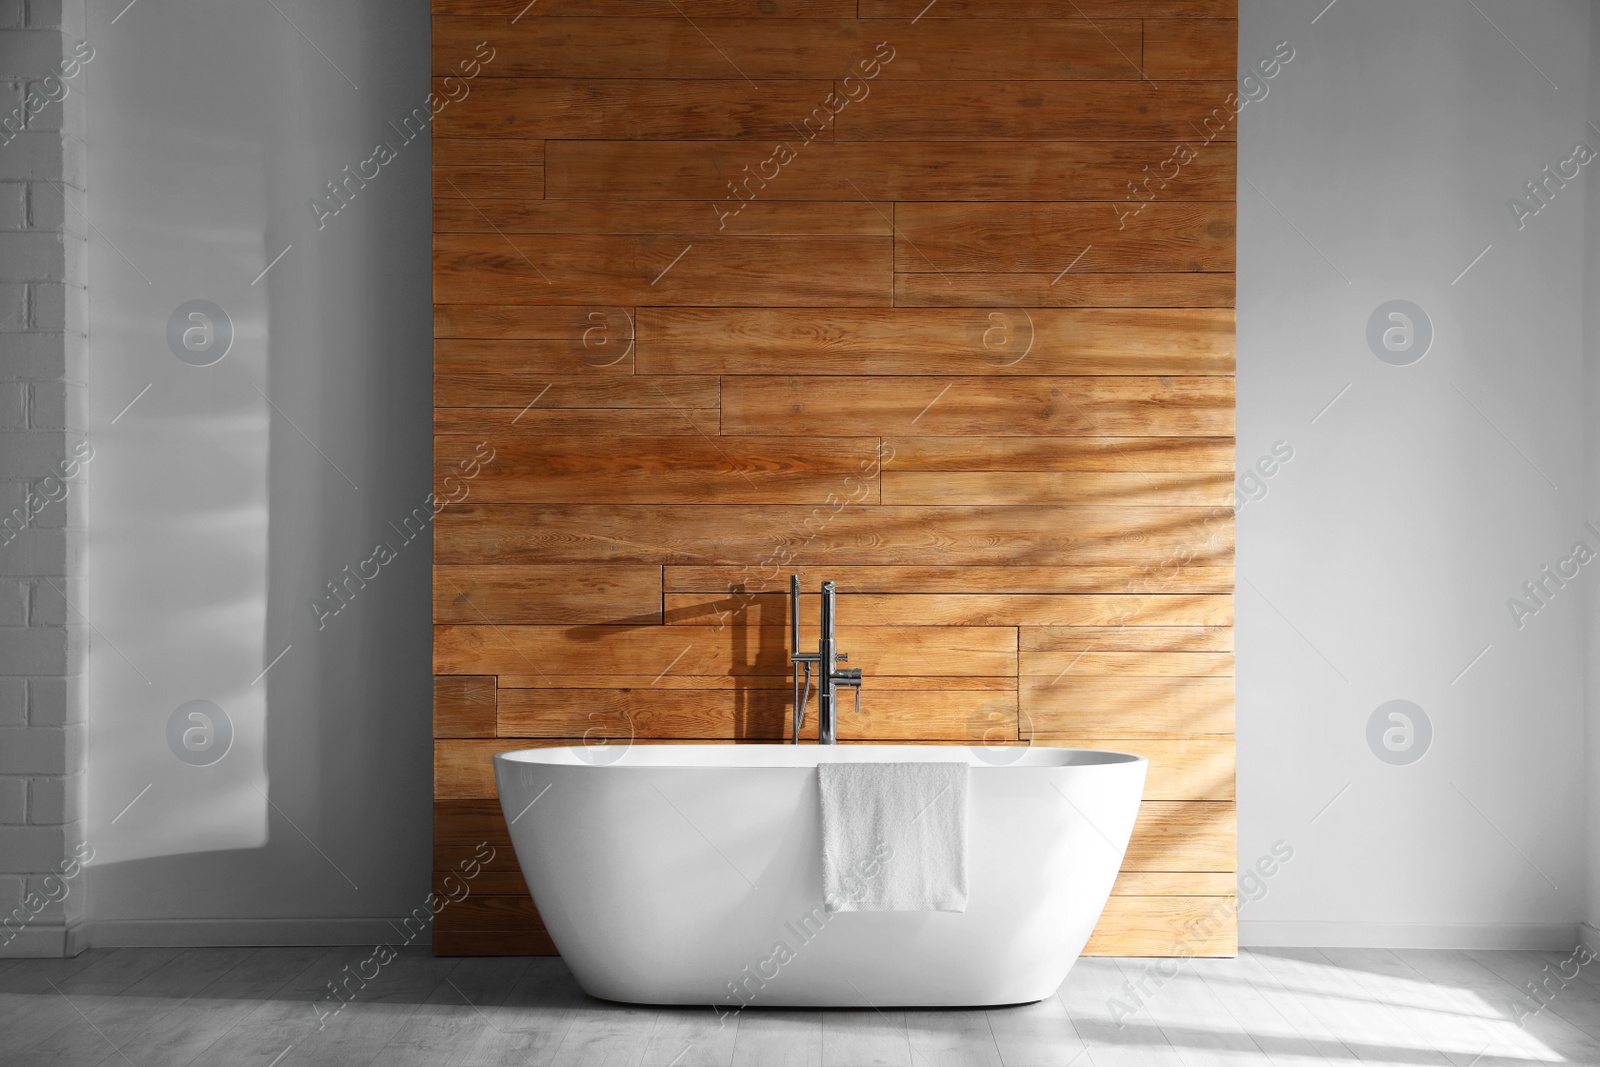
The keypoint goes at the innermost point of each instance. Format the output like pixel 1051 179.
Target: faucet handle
pixel 842 657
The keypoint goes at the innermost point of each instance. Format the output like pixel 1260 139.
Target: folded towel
pixel 894 836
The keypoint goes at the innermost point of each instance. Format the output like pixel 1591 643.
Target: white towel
pixel 894 836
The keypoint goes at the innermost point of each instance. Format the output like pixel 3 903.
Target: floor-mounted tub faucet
pixel 827 657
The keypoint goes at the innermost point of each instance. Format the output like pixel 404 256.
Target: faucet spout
pixel 830 678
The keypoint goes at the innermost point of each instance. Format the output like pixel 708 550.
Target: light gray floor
pixel 255 1008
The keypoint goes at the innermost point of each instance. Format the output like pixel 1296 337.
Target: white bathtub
pixel 674 874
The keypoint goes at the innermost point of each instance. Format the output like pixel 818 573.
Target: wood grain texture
pixel 862 173
pixel 912 579
pixel 769 536
pixel 782 9
pixel 464 706
pixel 558 108
pixel 934 301
pixel 959 609
pixel 1184 112
pixel 1190 49
pixel 1136 488
pixel 1068 705
pixel 1066 289
pixel 466 185
pixel 548 595
pixel 1024 237
pixel 649 713
pixel 1166 926
pixel 669 470
pixel 1036 9
pixel 977 651
pixel 959 407
pixel 1212 455
pixel 630 270
pixel 768 217
pixel 925 342
pixel 673 47
pixel 575 422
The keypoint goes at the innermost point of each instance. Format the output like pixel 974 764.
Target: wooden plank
pixel 1035 111
pixel 471 834
pixel 880 683
pixel 1076 639
pixel 1055 289
pixel 1068 706
pixel 784 535
pixel 1090 663
pixel 958 609
pixel 1166 926
pixel 950 238
pixel 630 270
pixel 468 184
pixel 487 151
pixel 670 470
pixel 849 171
pixel 490 388
pixel 787 9
pixel 956 454
pixel 1036 9
pixel 753 714
pixel 999 407
pixel 547 595
pixel 687 217
pixel 1190 49
pixel 1064 487
pixel 464 705
pixel 494 883
pixel 570 422
pixel 1191 835
pixel 922 342
pixel 1173 884
pixel 517 360
pixel 672 46
pixel 712 579
pixel 589 322
pixel 738 650
pixel 492 943
pixel 557 108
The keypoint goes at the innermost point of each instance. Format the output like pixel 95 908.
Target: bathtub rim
pixel 776 756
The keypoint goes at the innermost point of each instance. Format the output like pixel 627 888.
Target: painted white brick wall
pixel 43 321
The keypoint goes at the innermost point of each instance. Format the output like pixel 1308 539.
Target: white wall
pixel 230 492
pixel 1380 562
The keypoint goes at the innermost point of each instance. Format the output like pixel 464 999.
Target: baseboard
pixel 195 933
pixel 1589 938
pixel 1267 933
pixel 45 941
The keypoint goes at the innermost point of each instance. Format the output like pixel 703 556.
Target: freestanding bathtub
pixel 685 874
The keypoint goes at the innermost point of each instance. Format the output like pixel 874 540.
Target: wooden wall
pixel 939 307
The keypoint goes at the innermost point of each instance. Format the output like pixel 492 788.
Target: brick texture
pixel 44 314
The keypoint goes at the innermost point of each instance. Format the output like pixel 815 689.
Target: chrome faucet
pixel 826 660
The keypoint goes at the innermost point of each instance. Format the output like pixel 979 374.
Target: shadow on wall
pixel 260 384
